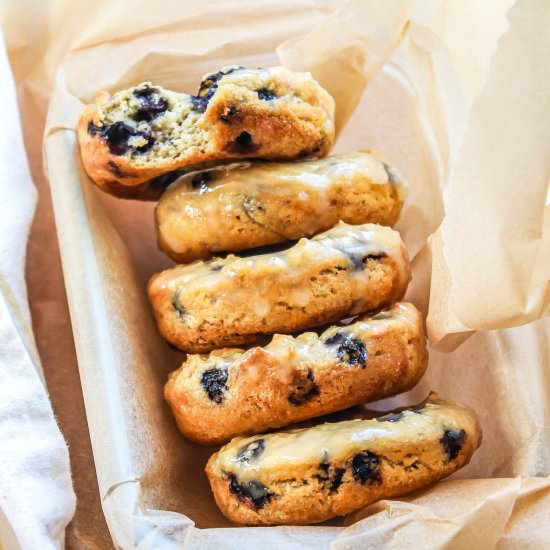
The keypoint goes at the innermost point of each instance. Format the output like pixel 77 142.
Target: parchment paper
pixel 460 108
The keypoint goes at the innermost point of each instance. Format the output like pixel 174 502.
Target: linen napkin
pixel 36 496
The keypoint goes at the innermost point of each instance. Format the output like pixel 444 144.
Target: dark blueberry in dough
pixel 254 491
pixel 366 467
pixel 117 136
pixel 377 256
pixel 214 382
pixel 201 180
pixel 352 351
pixel 243 143
pixel 250 452
pixel 391 417
pixel 336 481
pixel 180 310
pixel 336 339
pixel 265 94
pixel 216 267
pixel 151 106
pixel 114 168
pixel 208 88
pixel 162 182
pixel 94 130
pixel 304 390
pixel 452 442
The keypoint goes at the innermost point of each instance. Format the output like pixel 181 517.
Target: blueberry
pixel 452 442
pixel 163 181
pixel 338 474
pixel 243 144
pixel 265 94
pixel 254 491
pixel 114 168
pixel 366 467
pixel 214 383
pixel 336 338
pixel 118 134
pixel 208 88
pixel 180 310
pixel 152 104
pixel 350 350
pixel 330 477
pixel 391 417
pixel 94 130
pixel 201 180
pixel 305 389
pixel 251 451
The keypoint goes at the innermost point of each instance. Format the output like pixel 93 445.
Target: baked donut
pixel 133 142
pixel 226 302
pixel 310 475
pixel 246 205
pixel 234 392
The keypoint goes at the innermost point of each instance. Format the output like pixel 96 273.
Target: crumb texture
pixel 135 142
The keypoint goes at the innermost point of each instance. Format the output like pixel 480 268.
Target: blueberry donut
pixel 134 142
pixel 313 474
pixel 233 392
pixel 246 205
pixel 226 302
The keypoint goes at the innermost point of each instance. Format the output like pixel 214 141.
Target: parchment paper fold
pixel 461 107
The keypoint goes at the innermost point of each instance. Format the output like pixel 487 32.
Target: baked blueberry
pixel 208 88
pixel 118 134
pixel 161 182
pixel 243 143
pixel 201 180
pixel 180 310
pixel 152 104
pixel 251 451
pixel 304 390
pixel 352 351
pixel 391 417
pixel 336 338
pixel 336 481
pixel 366 467
pixel 253 491
pixel 214 383
pixel 265 94
pixel 452 442
pixel 114 168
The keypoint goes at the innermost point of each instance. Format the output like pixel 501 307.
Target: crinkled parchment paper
pixel 455 94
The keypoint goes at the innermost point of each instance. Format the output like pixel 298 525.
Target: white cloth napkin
pixel 36 496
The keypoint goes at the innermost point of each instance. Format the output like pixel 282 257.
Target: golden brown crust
pixel 222 303
pixel 311 475
pixel 247 205
pixel 295 379
pixel 297 123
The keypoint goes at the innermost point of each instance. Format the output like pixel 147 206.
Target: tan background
pixel 509 365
